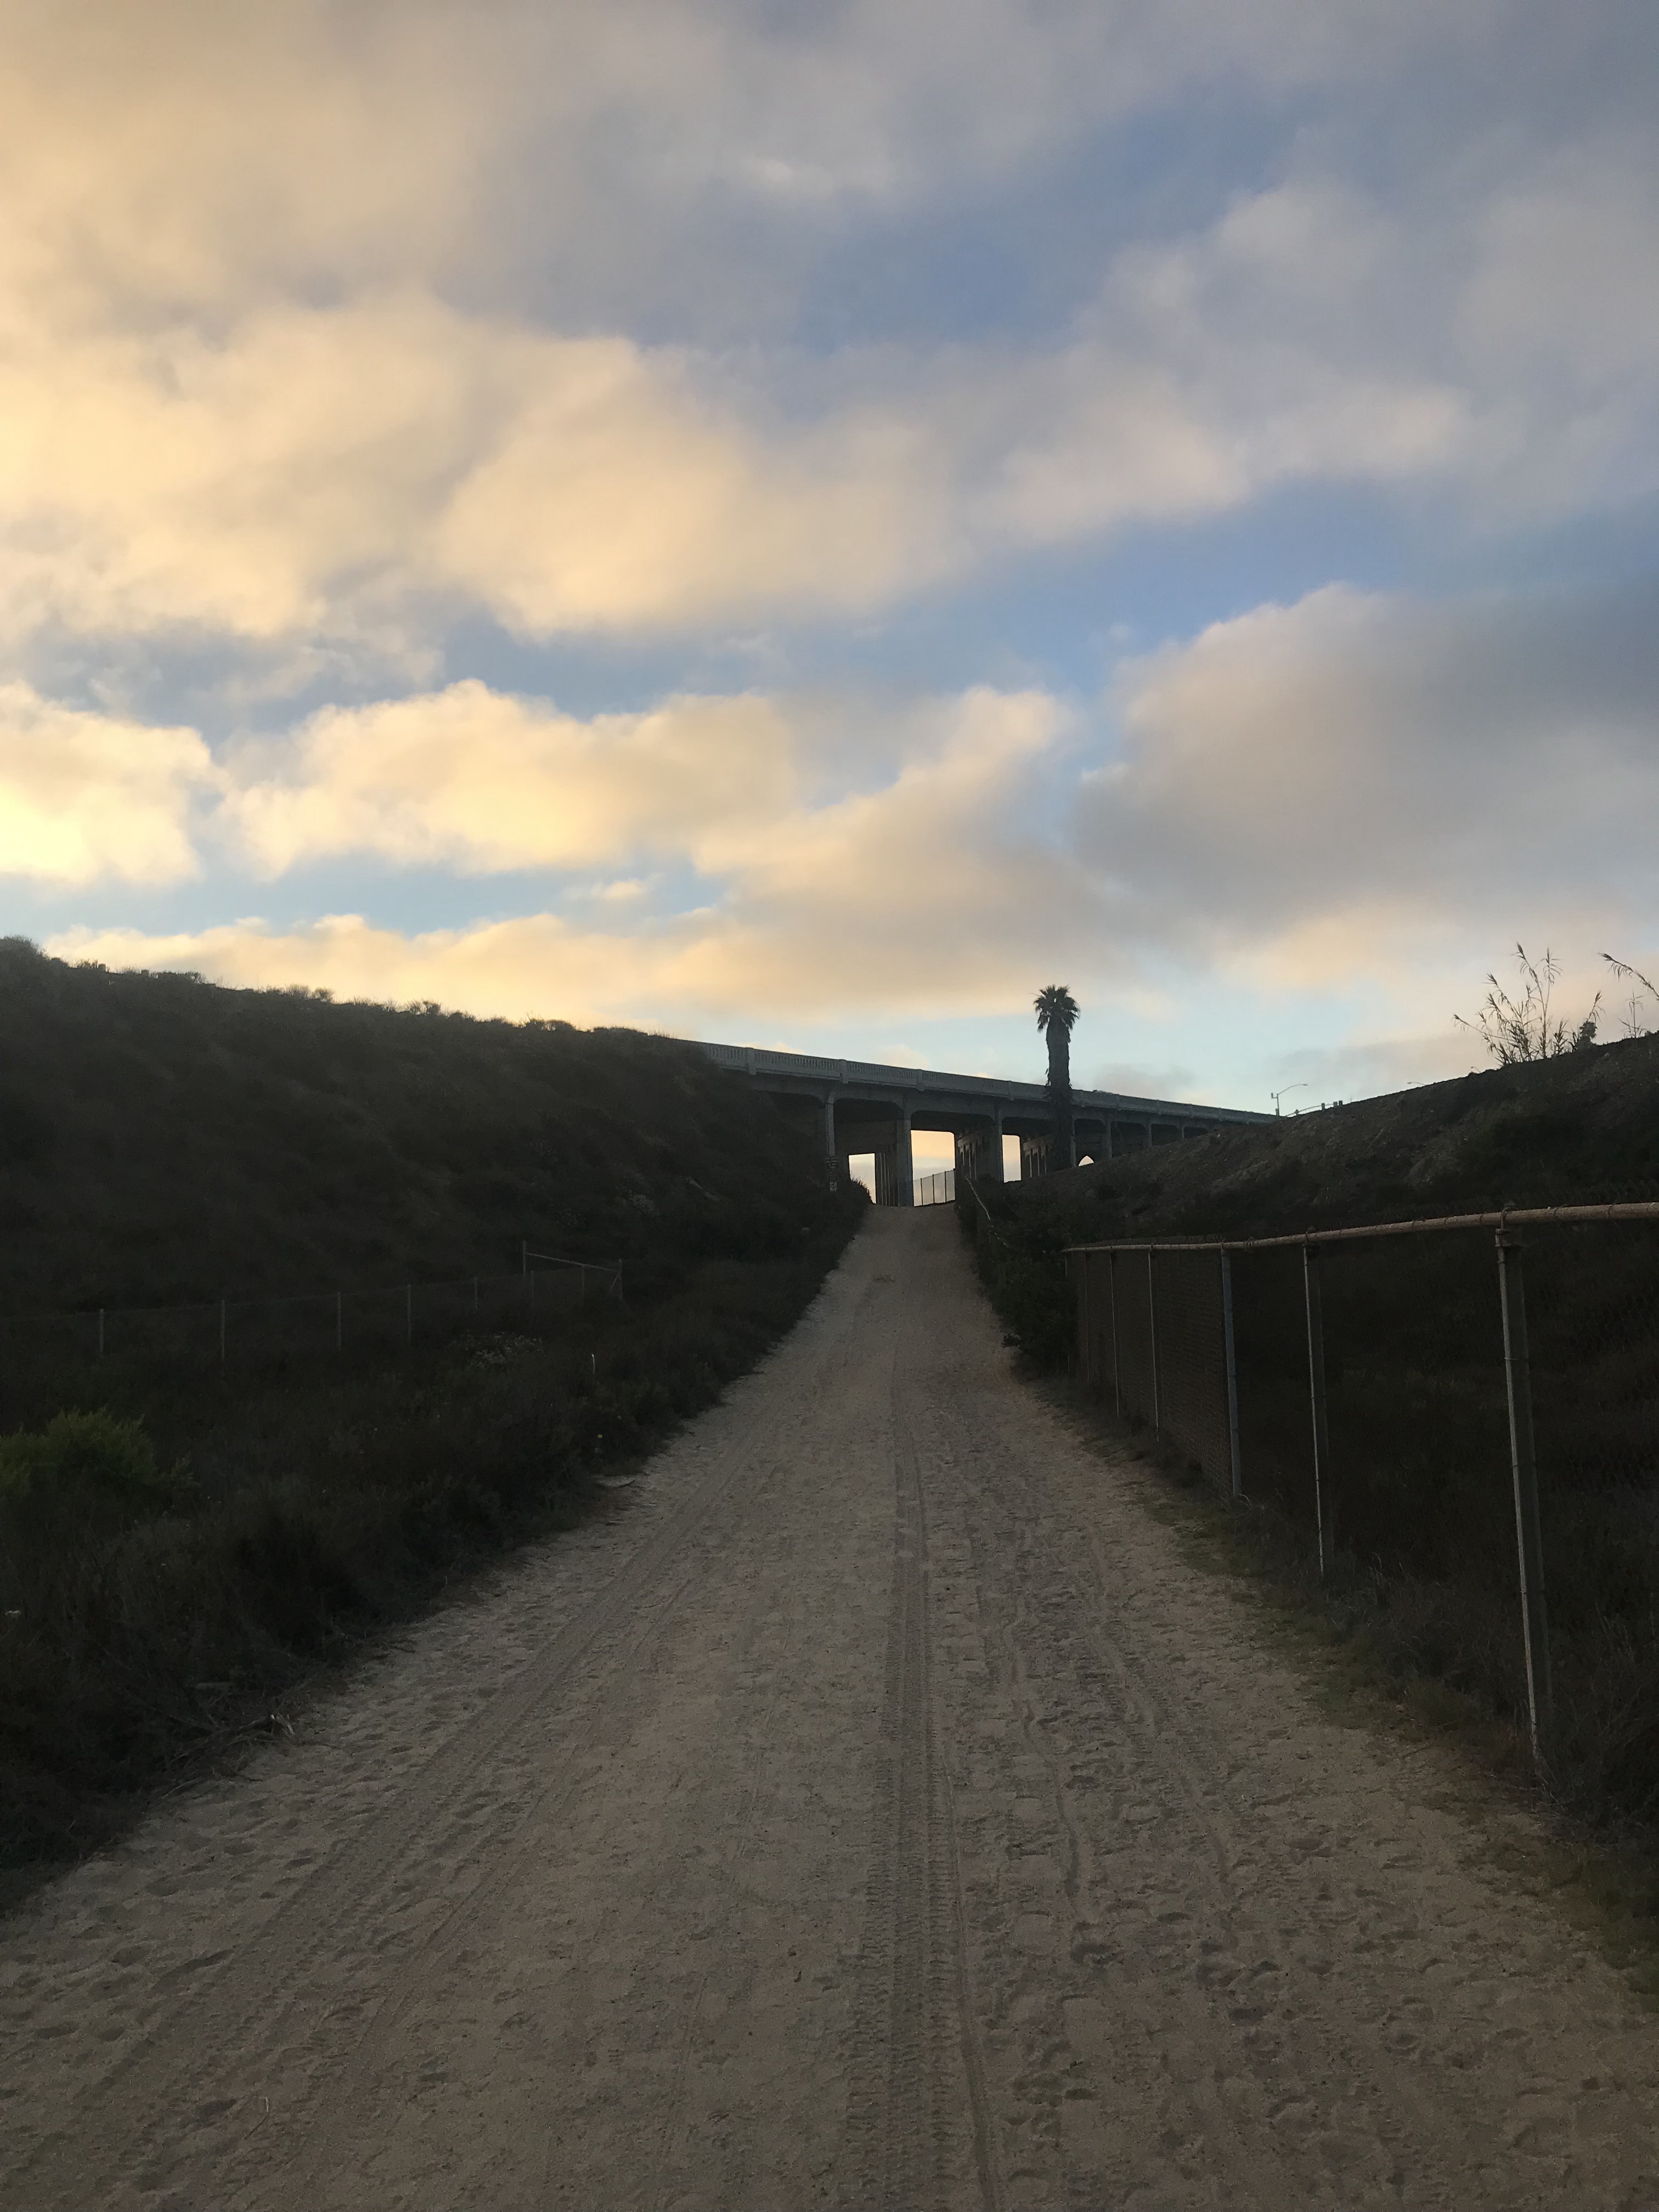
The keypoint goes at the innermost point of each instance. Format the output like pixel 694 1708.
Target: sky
pixel 802 525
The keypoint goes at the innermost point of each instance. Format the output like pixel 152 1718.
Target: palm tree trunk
pixel 1059 1088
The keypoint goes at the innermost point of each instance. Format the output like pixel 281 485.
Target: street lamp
pixel 1276 1095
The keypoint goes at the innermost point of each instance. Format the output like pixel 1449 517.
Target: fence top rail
pixel 593 1266
pixel 973 1185
pixel 1512 1216
pixel 233 1300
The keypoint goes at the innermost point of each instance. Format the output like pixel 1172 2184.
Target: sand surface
pixel 875 1810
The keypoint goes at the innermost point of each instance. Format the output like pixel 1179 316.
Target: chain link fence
pixel 45 1353
pixel 1472 1401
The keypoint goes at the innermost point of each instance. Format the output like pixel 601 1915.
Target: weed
pixel 92 1454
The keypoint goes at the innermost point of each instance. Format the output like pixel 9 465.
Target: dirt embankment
pixel 163 1139
pixel 1419 1474
pixel 1584 1127
pixel 877 1811
pixel 201 1505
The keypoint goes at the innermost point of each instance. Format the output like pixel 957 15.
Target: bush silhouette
pixel 95 1454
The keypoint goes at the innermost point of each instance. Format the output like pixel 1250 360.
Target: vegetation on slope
pixel 1419 1444
pixel 163 1140
pixel 178 1546
pixel 1580 1129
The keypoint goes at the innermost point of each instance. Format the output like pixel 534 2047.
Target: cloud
pixel 367 471
pixel 370 471
pixel 615 496
pixel 935 886
pixel 1558 324
pixel 1329 786
pixel 952 848
pixel 1557 281
pixel 85 797
pixel 687 972
pixel 1358 792
pixel 481 781
pixel 336 323
pixel 361 470
pixel 196 156
pixel 1316 784
pixel 533 965
pixel 207 150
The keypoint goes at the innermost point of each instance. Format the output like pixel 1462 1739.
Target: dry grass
pixel 1426 1580
pixel 159 1135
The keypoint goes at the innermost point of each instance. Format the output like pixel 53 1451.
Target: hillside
pixel 186 1538
pixel 162 1140
pixel 1422 1583
pixel 1584 1127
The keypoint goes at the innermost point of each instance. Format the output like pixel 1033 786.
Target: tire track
pixel 1046 1634
pixel 738 1841
pixel 255 1995
pixel 903 2126
pixel 615 1680
pixel 1049 1620
pixel 883 1814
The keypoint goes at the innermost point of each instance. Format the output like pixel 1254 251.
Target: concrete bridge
pixel 862 1106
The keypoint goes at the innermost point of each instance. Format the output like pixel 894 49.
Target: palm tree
pixel 1057 1011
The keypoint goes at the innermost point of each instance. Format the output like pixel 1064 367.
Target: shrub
pixel 134 1643
pixel 93 1454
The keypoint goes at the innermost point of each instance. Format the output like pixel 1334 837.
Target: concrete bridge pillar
pixel 979 1153
pixel 886 1159
pixel 831 1152
pixel 906 1164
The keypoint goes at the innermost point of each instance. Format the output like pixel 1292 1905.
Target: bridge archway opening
pixel 861 1166
pixel 931 1150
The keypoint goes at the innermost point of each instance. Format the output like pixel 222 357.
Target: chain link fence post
pixel 1322 1437
pixel 1235 1466
pixel 1111 1300
pixel 1523 1463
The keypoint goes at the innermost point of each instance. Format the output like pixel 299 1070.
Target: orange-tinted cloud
pixel 86 798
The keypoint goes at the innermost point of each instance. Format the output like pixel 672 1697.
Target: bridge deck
pixel 814 1075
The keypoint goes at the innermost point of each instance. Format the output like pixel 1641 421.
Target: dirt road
pixel 874 1811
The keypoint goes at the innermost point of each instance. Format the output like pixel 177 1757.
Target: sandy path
pixel 876 1811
